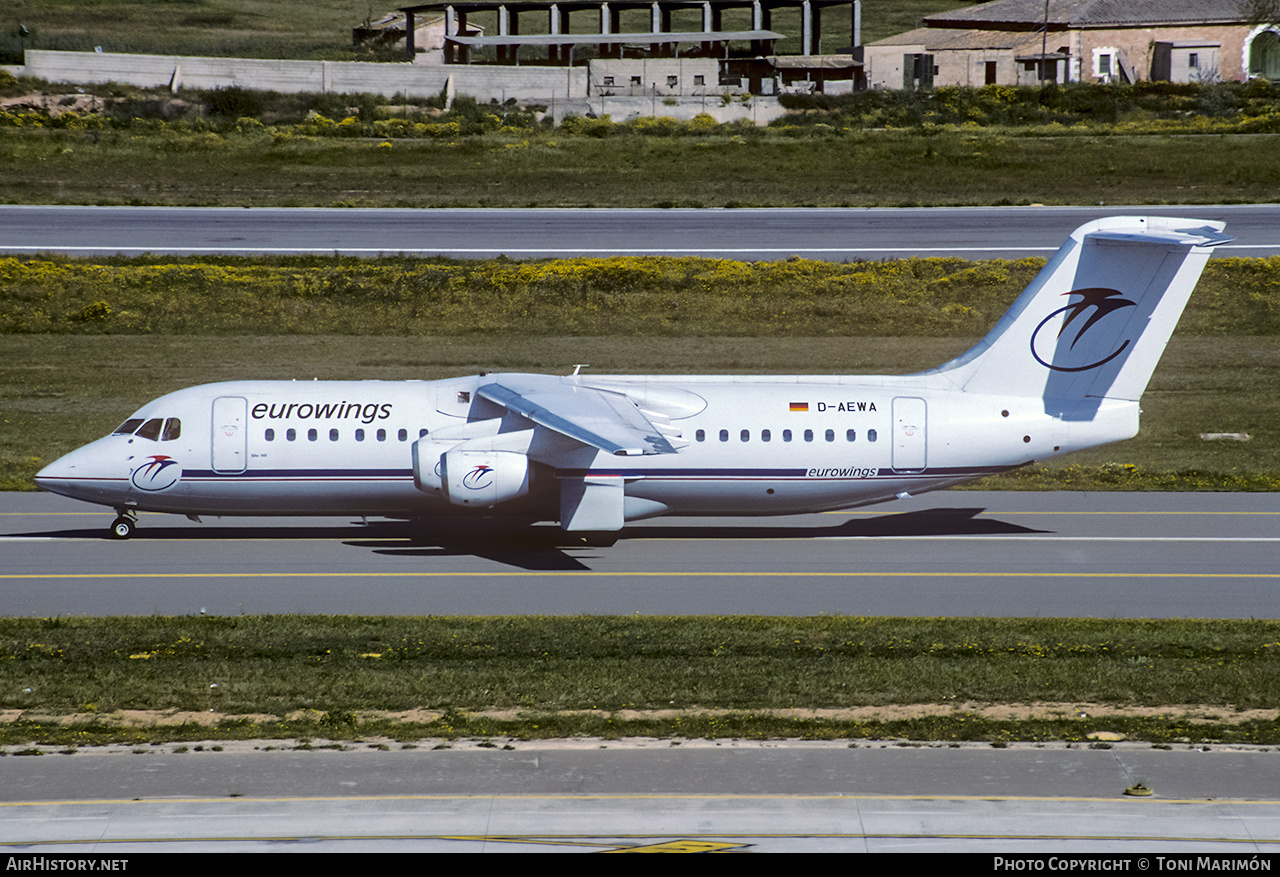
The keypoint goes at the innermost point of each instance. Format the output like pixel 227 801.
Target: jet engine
pixel 484 478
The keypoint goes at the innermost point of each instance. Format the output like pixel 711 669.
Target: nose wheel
pixel 123 526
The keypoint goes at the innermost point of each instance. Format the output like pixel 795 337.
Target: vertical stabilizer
pixel 1096 319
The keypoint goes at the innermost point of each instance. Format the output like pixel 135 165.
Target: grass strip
pixel 857 169
pixel 625 296
pixel 61 679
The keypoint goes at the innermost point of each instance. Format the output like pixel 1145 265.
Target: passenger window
pixel 746 435
pixel 403 435
pixel 312 435
pixel 831 435
pixel 700 435
pixel 765 435
pixel 150 429
pixel 808 435
pixel 172 430
pixel 333 435
pixel 129 427
pixel 871 435
pixel 359 435
pixel 422 433
pixel 382 435
pixel 291 434
pixel 270 435
pixel 850 435
pixel 786 435
pixel 724 435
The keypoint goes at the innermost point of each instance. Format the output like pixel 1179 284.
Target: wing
pixel 599 418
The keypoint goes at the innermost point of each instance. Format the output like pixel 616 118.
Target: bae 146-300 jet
pixel 1063 370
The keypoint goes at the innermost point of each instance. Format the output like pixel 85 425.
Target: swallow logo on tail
pixel 1098 303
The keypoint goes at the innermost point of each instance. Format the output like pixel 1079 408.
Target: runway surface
pixel 949 553
pixel 832 234
pixel 1202 555
pixel 690 796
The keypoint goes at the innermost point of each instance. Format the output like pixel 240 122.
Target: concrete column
pixel 757 15
pixel 706 15
pixel 504 28
pixel 605 21
pixel 409 48
pixel 806 28
pixel 553 26
pixel 450 30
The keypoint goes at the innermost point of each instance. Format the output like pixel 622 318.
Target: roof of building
pixel 938 39
pixel 643 38
pixel 1090 13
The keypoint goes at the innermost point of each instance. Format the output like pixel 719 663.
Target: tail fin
pixel 1096 319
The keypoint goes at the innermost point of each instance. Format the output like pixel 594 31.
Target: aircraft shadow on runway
pixel 546 547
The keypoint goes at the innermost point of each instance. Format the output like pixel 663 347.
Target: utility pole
pixel 1044 43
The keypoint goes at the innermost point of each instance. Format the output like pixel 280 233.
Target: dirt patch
pixel 890 712
pixel 53 104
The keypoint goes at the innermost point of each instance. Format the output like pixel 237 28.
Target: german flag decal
pixel 799 406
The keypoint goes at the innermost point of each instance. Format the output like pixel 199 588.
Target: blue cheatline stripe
pixel 706 472
pixel 254 474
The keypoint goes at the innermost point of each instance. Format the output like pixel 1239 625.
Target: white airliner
pixel 1061 371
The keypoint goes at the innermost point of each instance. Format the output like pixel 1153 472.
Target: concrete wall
pixel 342 77
pixel 563 89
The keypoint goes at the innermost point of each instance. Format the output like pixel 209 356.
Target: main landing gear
pixel 124 525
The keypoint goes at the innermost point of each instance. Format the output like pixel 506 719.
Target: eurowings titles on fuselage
pixel 1062 370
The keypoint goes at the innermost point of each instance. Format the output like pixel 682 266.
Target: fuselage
pixel 745 445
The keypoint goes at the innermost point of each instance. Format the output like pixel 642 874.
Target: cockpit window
pixel 172 430
pixel 150 429
pixel 129 427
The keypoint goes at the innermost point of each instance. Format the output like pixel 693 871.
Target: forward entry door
pixel 230 434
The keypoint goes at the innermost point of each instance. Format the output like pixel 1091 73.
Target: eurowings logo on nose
pixel 159 473
pixel 478 478
pixel 1098 302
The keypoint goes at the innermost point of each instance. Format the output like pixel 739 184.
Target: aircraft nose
pixel 58 473
pixel 78 474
